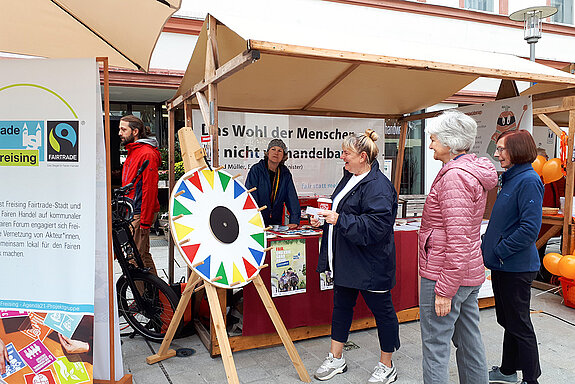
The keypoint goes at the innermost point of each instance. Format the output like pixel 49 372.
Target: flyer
pixel 288 267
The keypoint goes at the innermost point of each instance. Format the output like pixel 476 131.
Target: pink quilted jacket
pixel 449 238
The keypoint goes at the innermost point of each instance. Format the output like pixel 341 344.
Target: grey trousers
pixel 461 326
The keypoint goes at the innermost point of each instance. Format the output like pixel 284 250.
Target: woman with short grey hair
pixel 455 130
pixel 450 260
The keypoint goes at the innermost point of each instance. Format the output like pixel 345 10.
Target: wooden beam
pixel 171 184
pixel 281 329
pixel 550 123
pixel 188 113
pixel 400 156
pixel 331 85
pixel 554 230
pixel 548 110
pixel 204 108
pixel 568 208
pixel 389 61
pixel 229 68
pixel 212 64
pixel 313 113
pixel 220 330
pixel 553 94
pixel 421 116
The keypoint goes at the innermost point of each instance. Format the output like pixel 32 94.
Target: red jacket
pixel 449 237
pixel 145 191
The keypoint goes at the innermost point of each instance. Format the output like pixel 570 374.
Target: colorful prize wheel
pixel 217 227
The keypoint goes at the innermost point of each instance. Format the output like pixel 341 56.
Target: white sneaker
pixel 383 374
pixel 330 367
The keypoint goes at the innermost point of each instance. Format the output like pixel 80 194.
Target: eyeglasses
pixel 500 149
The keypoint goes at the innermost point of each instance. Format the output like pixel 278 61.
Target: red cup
pixel 324 203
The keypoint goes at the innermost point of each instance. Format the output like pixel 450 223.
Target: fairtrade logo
pixel 63 131
pixel 63 141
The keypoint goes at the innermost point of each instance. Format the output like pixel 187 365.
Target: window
pixel 564 11
pixel 480 5
pixel 412 171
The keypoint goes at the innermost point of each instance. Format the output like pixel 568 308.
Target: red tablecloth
pixel 314 307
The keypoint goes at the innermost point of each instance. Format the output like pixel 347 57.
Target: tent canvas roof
pixel 320 67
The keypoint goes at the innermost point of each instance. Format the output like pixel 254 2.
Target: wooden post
pixel 171 183
pixel 188 113
pixel 400 156
pixel 212 63
pixel 567 211
pixel 127 379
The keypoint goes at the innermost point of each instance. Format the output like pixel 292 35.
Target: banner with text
pixel 497 117
pixel 48 203
pixel 314 144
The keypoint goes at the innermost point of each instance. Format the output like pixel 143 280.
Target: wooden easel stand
pixel 220 327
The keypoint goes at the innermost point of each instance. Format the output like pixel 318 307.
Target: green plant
pixel 164 167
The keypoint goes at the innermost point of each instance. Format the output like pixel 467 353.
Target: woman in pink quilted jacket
pixel 450 260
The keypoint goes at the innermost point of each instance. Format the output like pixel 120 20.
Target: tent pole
pixel 400 156
pixel 127 378
pixel 567 221
pixel 171 183
pixel 212 64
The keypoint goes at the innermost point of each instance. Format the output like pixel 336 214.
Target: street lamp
pixel 532 18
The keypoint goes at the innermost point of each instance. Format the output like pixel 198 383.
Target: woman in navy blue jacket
pixel 359 250
pixel 509 251
pixel 274 186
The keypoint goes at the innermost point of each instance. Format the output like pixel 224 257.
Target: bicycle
pixel 145 301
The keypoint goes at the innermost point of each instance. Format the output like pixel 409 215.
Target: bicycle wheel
pixel 158 307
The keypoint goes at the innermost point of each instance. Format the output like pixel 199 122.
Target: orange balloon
pixel 551 263
pixel 567 266
pixel 551 171
pixel 538 164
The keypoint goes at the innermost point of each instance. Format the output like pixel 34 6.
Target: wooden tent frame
pixel 208 105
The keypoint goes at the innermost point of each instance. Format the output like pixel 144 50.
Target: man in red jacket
pixel 140 147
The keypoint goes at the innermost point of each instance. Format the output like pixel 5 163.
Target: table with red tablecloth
pixel 314 307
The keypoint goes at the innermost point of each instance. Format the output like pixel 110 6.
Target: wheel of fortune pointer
pixel 217 227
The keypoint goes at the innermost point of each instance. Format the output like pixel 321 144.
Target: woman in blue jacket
pixel 358 248
pixel 274 186
pixel 509 251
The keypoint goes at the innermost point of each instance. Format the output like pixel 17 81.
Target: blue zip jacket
pixel 363 244
pixel 509 242
pixel 259 177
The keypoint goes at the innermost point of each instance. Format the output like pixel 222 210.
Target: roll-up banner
pixel 52 172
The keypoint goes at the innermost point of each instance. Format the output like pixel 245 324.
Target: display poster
pixel 314 144
pixel 288 267
pixel 486 289
pixel 48 202
pixel 497 117
pixel 325 278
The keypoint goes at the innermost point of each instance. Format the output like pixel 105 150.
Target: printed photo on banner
pixel 288 267
pixel 314 144
pixel 46 346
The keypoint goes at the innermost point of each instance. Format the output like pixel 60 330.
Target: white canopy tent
pixel 313 65
pixel 291 62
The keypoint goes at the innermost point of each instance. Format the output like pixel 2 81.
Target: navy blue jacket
pixel 363 245
pixel 259 177
pixel 509 242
